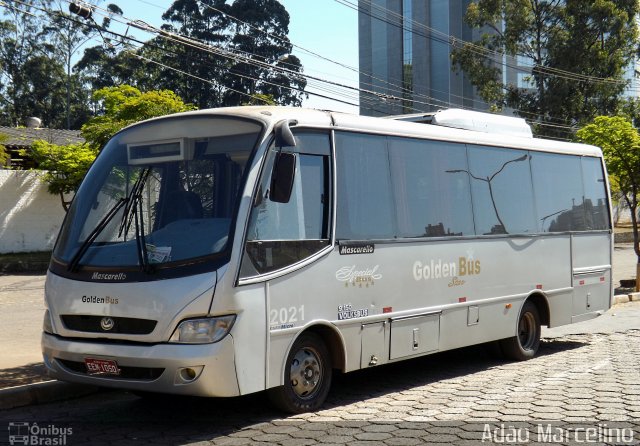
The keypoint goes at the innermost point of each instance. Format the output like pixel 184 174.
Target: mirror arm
pixel 284 136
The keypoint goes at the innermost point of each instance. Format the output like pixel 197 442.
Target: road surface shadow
pixel 115 417
pixel 26 374
pixel 207 418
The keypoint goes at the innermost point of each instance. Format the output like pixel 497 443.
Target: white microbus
pixel 223 252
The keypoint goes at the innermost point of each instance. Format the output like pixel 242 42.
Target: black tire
pixel 307 376
pixel 525 344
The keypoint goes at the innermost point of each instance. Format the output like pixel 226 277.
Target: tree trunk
pixel 65 204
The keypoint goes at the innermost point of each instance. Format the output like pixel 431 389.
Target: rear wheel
pixel 525 344
pixel 307 376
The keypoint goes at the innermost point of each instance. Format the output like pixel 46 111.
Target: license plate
pixel 101 366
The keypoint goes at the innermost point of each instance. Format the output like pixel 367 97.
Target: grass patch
pixel 19 262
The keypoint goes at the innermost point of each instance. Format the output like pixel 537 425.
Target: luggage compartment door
pixel 414 335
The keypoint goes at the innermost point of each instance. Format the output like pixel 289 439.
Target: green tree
pixel 65 166
pixel 249 53
pixel 620 143
pixel 204 21
pixel 68 33
pixel 260 99
pixel 4 155
pixel 126 105
pixel 22 37
pixel 260 29
pixel 43 91
pixel 596 40
pixel 104 66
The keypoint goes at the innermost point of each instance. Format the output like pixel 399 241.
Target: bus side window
pixel 282 234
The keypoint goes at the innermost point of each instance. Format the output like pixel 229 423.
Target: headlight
pixel 47 326
pixel 203 331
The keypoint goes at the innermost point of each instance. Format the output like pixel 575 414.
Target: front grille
pixel 121 325
pixel 140 373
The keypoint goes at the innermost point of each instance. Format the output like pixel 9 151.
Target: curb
pixel 624 298
pixel 40 393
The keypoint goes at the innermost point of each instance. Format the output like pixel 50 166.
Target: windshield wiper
pixel 133 213
pixel 131 204
pixel 75 260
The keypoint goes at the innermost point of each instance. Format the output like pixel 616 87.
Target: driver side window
pixel 282 234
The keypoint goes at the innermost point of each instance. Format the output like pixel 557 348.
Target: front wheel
pixel 307 376
pixel 525 344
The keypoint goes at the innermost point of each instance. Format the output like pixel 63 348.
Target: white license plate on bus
pixel 101 366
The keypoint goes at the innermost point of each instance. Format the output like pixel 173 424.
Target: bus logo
pixel 107 323
pixel 356 248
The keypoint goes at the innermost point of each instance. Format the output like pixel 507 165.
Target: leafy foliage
pixel 260 34
pixel 21 38
pixel 37 50
pixel 246 55
pixel 125 105
pixel 65 166
pixel 595 39
pixel 4 156
pixel 620 143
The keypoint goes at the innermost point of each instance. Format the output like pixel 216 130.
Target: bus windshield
pixel 160 192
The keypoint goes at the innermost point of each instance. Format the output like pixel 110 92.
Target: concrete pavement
pixel 22 303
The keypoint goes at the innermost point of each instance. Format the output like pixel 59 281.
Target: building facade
pixel 405 56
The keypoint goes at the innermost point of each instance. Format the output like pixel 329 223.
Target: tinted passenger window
pixel 365 205
pixel 501 190
pixel 595 195
pixel 431 199
pixel 557 181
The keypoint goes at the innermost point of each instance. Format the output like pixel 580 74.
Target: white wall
pixel 30 217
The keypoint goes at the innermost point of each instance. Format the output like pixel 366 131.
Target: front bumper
pixel 149 368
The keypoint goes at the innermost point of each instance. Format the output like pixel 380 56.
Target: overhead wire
pixel 199 45
pixel 442 37
pixel 414 108
pixel 235 56
pixel 209 81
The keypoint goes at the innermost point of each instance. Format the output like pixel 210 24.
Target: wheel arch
pixel 541 302
pixel 332 339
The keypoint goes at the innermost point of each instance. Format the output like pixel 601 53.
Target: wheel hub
pixel 306 372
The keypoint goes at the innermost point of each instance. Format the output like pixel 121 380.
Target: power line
pixel 447 39
pixel 333 87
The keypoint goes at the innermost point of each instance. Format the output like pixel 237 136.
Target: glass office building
pixel 405 49
pixel 405 58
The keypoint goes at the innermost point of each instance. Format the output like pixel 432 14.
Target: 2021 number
pixel 286 316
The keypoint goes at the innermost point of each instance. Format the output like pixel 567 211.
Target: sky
pixel 324 27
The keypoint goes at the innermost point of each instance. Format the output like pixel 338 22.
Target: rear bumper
pixel 149 368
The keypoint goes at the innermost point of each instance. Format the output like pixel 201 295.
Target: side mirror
pixel 284 137
pixel 282 177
